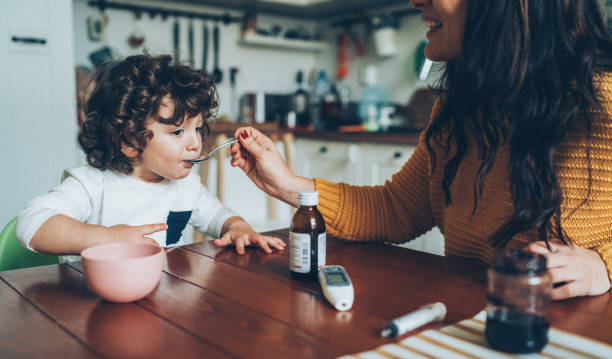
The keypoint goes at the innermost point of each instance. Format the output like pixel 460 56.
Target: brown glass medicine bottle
pixel 307 238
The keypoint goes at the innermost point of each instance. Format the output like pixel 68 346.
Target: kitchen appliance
pixel 259 107
pixel 336 114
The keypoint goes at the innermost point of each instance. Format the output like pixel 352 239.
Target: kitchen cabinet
pixel 383 161
pixel 37 98
pixel 334 161
pixel 360 164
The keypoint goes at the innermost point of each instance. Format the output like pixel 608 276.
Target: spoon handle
pixel 223 145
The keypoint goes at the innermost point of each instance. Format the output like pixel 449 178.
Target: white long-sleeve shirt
pixel 108 198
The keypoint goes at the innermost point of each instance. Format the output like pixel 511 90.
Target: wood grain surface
pixel 214 303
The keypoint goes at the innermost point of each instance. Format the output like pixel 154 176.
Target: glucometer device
pixel 337 287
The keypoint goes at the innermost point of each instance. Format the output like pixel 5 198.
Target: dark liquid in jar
pixel 516 332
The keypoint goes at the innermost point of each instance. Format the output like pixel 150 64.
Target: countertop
pixel 273 130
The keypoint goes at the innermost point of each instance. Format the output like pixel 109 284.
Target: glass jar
pixel 518 296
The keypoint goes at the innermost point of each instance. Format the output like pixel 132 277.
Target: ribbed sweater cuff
pixel 605 251
pixel 329 200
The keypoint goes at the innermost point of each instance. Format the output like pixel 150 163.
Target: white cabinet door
pixel 332 161
pixel 383 161
pixel 37 99
pixel 361 164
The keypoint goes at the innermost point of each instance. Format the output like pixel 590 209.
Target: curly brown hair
pixel 126 98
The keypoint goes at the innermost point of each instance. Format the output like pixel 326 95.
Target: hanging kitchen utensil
pixel 176 38
pixel 233 95
pixel 342 70
pixel 205 47
pixel 190 42
pixel 217 74
pixel 343 43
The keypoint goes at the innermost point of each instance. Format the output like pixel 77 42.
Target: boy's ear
pixel 129 151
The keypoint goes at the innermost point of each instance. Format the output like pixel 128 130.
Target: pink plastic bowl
pixel 123 272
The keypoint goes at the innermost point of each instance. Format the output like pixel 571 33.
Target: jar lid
pixel 308 198
pixel 516 261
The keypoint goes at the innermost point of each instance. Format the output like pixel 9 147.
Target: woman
pixel 518 152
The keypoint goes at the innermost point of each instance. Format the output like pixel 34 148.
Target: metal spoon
pixel 207 157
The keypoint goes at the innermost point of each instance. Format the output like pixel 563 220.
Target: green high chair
pixel 14 256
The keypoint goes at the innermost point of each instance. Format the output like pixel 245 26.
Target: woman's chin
pixel 434 55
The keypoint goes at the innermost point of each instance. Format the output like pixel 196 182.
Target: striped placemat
pixel 466 340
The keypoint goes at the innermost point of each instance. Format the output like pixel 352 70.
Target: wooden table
pixel 212 303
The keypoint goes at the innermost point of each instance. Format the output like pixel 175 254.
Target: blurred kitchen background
pixel 341 85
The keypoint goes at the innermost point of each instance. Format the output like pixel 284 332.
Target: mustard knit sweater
pixel 412 202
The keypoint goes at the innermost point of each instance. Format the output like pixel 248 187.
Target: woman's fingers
pixel 540 247
pixel 249 144
pixel 238 162
pixel 563 274
pixel 555 260
pixel 569 290
pixel 578 271
pixel 558 254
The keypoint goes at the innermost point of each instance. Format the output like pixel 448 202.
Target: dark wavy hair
pixel 525 78
pixel 126 97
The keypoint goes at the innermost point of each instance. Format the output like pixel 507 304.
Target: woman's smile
pixel 445 20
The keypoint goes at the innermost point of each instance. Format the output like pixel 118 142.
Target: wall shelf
pixel 282 43
pixel 315 11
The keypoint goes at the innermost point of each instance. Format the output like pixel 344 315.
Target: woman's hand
pixel 578 271
pixel 241 234
pixel 261 161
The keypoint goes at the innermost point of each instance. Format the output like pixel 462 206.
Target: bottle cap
pixel 308 198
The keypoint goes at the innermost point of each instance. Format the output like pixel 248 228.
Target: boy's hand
pixel 125 233
pixel 241 235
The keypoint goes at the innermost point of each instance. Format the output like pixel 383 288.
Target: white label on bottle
pixel 299 255
pixel 321 246
pixel 300 103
